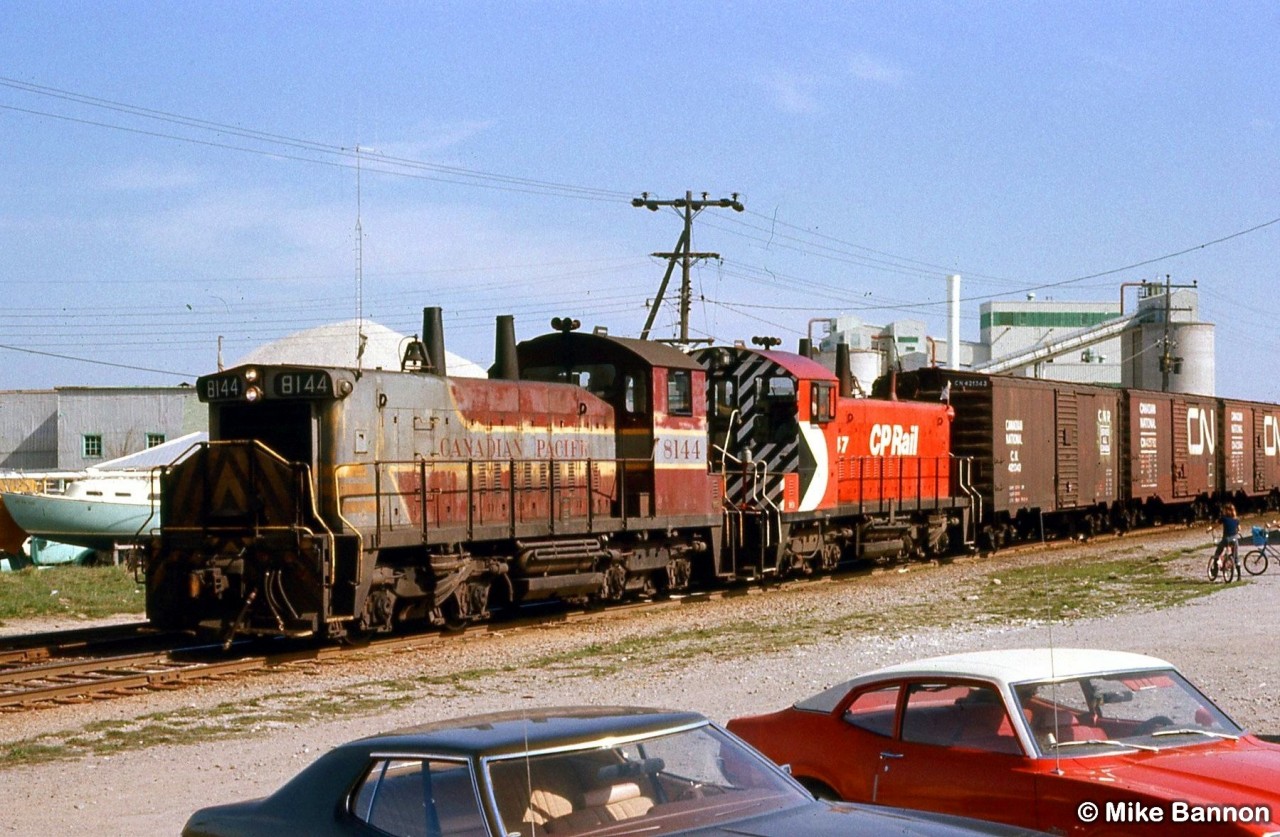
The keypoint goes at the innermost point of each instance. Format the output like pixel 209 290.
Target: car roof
pixel 1003 667
pixel 528 730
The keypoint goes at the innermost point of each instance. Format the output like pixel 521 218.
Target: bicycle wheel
pixel 1229 570
pixel 1213 569
pixel 1255 562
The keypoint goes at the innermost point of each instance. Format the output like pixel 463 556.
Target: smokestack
pixel 843 372
pixel 433 338
pixel 953 326
pixel 505 365
pixel 806 347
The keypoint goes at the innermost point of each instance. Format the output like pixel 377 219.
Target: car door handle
pixel 888 755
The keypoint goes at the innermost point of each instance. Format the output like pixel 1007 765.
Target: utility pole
pixel 682 254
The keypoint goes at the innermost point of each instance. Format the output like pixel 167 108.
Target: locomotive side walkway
pixel 741 655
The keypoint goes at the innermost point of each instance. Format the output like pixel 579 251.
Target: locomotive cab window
pixel 635 397
pixel 777 422
pixel 724 397
pixel 822 403
pixel 680 392
pixel 600 379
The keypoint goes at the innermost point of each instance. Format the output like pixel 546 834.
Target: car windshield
pixel 659 785
pixel 1145 710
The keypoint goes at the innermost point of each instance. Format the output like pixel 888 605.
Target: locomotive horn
pixel 843 372
pixel 433 338
pixel 505 367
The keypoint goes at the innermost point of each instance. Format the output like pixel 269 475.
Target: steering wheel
pixel 1152 724
pixel 694 791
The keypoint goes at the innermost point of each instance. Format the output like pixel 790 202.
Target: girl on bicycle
pixel 1230 536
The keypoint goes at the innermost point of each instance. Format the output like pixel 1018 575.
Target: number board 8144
pixel 250 384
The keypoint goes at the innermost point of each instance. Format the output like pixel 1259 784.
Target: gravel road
pixel 1224 642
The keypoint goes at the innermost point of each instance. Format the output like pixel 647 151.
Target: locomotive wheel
pixel 468 603
pixel 453 612
pixel 615 583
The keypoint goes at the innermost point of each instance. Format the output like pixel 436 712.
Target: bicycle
pixel 1222 568
pixel 1256 560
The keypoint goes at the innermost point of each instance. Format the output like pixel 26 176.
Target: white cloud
pixel 866 67
pixel 427 140
pixel 791 92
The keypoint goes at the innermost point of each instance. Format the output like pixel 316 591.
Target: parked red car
pixel 1070 741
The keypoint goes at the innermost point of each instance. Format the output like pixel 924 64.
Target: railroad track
pixel 35 682
pixel 31 679
pixel 36 647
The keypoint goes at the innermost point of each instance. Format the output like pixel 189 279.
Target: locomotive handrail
pixel 724 449
pixel 759 488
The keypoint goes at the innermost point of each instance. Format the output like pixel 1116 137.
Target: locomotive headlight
pixel 251 375
pixel 252 394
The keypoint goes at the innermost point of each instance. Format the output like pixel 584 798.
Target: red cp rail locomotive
pixel 338 501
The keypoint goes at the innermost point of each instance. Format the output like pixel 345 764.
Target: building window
pixel 93 446
pixel 155 439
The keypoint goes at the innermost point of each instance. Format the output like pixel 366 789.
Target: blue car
pixel 559 772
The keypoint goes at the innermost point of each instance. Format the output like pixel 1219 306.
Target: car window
pixel 416 798
pixel 874 710
pixel 1151 708
pixel 971 716
pixel 659 784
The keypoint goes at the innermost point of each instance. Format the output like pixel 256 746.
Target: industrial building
pixel 74 428
pixel 1159 343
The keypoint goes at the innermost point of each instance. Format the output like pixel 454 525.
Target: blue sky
pixel 173 173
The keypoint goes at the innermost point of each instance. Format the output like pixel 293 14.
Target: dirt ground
pixel 1225 642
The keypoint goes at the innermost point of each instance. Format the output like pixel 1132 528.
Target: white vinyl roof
pixel 1004 667
pixel 335 344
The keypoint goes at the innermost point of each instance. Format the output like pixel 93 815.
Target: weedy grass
pixel 78 592
pixel 1126 581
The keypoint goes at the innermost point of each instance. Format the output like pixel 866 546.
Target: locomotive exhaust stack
pixel 433 338
pixel 505 367
pixel 843 371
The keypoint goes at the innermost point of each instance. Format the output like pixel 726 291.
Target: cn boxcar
pixel 1047 457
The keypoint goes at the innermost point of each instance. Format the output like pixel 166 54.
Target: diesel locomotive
pixel 335 502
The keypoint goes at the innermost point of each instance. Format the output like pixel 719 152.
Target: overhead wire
pixel 797 238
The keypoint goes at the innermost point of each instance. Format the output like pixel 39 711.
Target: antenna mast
pixel 360 338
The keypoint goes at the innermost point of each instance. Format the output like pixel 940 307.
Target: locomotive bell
pixel 415 356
